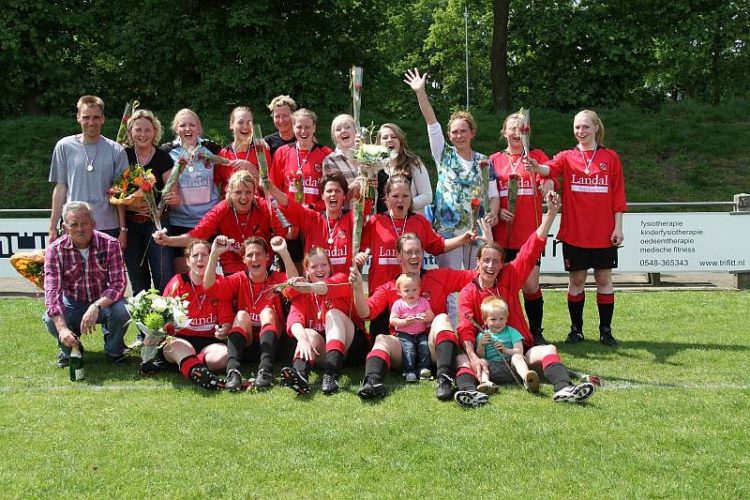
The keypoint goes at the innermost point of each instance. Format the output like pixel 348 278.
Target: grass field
pixel 671 421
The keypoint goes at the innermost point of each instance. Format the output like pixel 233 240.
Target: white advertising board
pixel 654 242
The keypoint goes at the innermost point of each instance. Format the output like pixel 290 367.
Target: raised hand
pixel 221 244
pixel 414 80
pixel 278 244
pixel 554 202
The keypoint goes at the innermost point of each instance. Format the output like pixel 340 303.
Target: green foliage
pixel 562 54
pixel 667 423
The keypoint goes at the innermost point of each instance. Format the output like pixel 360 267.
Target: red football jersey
pixel 380 234
pixel 289 161
pixel 310 309
pixel 205 310
pixel 318 231
pixel 593 189
pixel 512 277
pixel 222 219
pixel 527 214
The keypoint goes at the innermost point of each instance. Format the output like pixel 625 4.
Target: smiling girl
pixel 593 191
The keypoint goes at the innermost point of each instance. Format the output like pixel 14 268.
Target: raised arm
pixel 417 83
pixel 271 189
pixel 278 245
pixel 218 247
pixel 553 206
pixel 358 290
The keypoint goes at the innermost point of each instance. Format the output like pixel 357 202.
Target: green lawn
pixel 670 421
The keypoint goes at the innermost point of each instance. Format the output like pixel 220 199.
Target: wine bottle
pixel 76 365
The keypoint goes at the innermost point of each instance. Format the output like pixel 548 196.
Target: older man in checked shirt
pixel 84 284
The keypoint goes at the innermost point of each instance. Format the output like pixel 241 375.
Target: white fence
pixel 654 242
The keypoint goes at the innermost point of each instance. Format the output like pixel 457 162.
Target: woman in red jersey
pixel 514 228
pixel 381 232
pixel 240 151
pixel 320 319
pixel 297 168
pixel 196 349
pixel 330 229
pixel 259 319
pixel 496 279
pixel 593 191
pixel 239 216
pixel 437 285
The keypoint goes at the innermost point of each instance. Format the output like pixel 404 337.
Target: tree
pixel 499 56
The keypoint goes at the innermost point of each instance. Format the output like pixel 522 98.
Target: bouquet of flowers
pixel 156 317
pixel 30 265
pixel 122 132
pixel 134 186
pixel 370 158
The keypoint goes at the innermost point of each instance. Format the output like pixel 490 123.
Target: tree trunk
pixel 499 57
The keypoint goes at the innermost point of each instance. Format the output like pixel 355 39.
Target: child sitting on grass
pixel 411 316
pixel 499 340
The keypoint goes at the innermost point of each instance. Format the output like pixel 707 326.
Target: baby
pixel 499 340
pixel 411 316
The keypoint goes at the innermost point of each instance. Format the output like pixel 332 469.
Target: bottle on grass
pixel 76 365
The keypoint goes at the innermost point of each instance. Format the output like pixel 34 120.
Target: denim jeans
pixel 415 351
pixel 158 264
pixel 112 319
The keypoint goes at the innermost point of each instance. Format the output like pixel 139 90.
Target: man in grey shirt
pixel 83 167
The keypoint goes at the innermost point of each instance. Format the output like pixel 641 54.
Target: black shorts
pixel 510 254
pixel 200 343
pixel 359 348
pixel 582 259
pixel 500 373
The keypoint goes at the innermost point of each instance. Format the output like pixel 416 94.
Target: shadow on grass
pixel 661 351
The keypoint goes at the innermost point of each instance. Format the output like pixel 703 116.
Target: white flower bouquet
pixel 156 317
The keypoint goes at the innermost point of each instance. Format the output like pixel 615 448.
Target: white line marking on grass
pixel 92 388
pixel 608 386
pixel 637 385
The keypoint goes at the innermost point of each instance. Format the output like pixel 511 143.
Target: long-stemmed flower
pixel 122 132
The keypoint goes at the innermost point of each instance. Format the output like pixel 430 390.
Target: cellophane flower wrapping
pixel 156 317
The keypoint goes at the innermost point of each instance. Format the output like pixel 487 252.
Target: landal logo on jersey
pixel 595 184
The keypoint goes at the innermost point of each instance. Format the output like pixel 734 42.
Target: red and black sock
pixel 575 309
pixel 446 347
pixel 605 302
pixel 377 365
pixel 533 303
pixel 187 364
pixel 335 350
pixel 267 347
pixel 236 342
pixel 465 380
pixel 555 372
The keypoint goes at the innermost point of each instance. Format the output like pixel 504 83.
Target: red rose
pixel 169 329
pixel 475 202
pixel 146 186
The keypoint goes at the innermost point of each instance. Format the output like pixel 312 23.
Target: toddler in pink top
pixel 411 316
